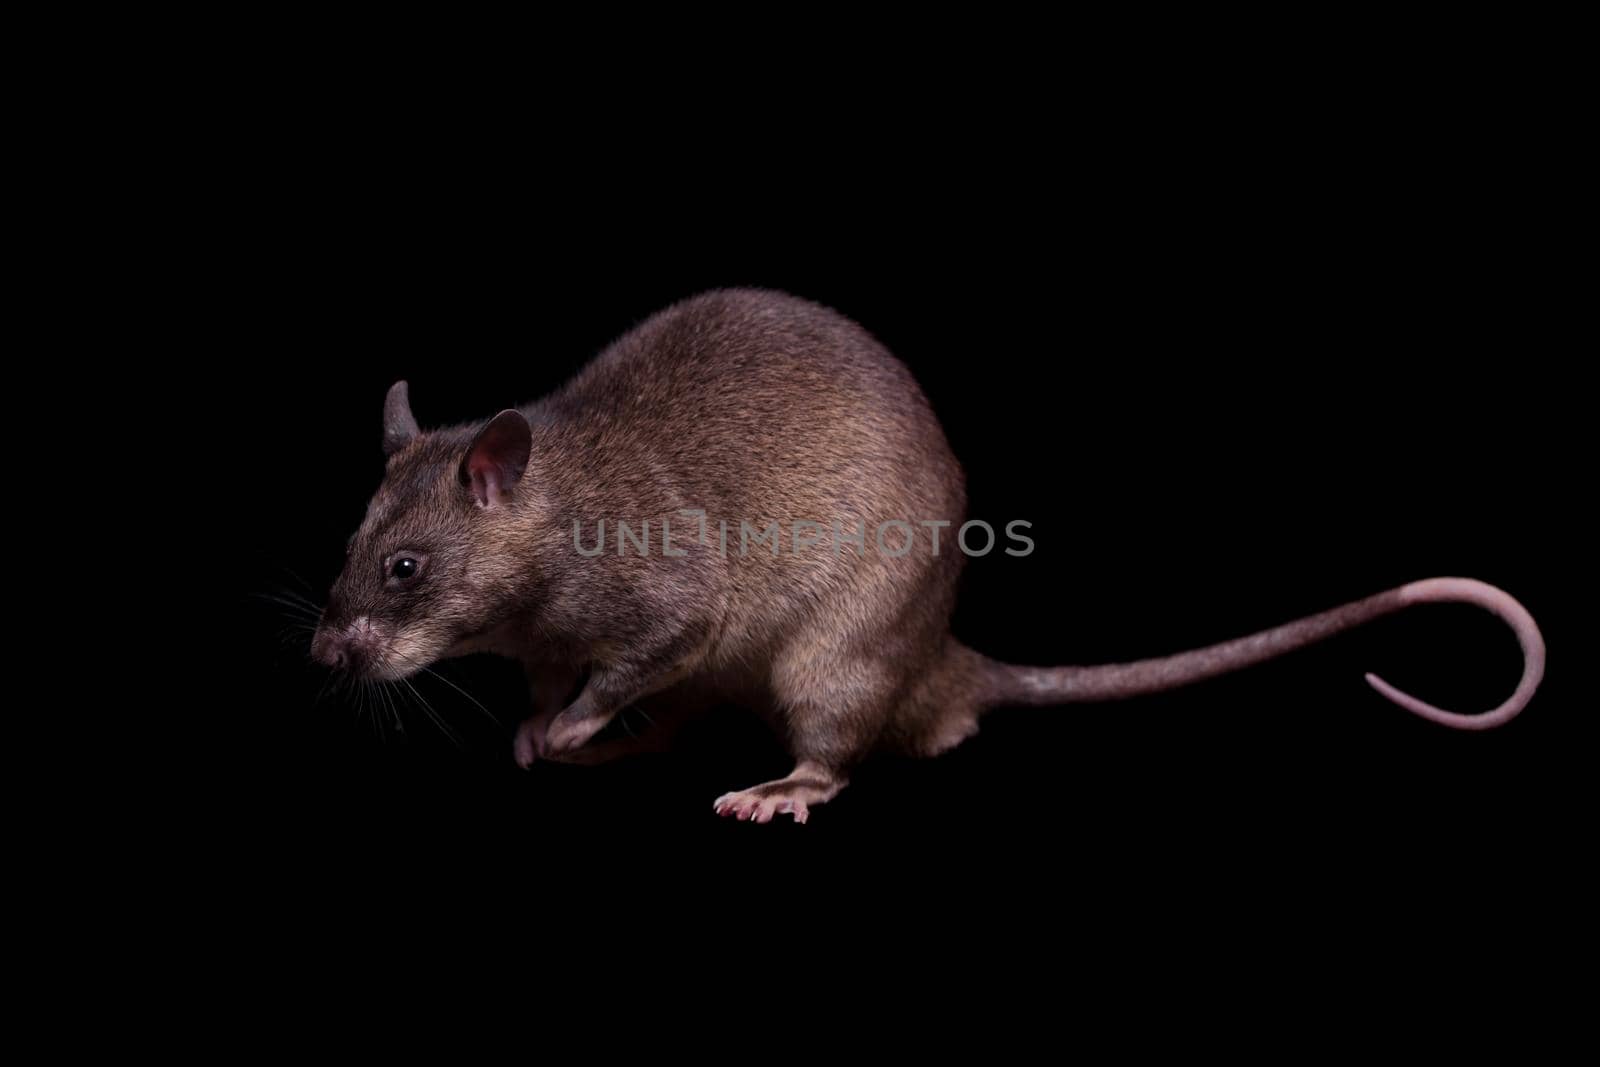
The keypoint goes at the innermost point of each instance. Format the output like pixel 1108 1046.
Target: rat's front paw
pixel 569 732
pixel 529 743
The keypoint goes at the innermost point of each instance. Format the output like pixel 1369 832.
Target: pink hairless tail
pixel 1065 685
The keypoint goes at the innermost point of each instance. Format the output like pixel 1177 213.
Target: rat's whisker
pixel 430 671
pixel 307 613
pixel 375 700
pixel 331 683
pixel 376 723
pixel 389 700
pixel 410 698
pixel 422 703
pixel 288 597
pixel 428 709
pixel 295 576
pixel 474 700
pixel 438 721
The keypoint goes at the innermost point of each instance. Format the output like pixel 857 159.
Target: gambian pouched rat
pixel 692 426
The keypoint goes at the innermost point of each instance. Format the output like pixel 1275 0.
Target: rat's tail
pixel 1069 685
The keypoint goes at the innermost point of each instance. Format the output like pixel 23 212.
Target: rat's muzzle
pixel 354 647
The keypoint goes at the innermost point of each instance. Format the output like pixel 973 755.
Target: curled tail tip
pixel 1455 720
pixel 1508 610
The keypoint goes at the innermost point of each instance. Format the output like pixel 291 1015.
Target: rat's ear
pixel 399 425
pixel 497 457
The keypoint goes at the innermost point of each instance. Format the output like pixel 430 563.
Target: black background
pixel 1232 372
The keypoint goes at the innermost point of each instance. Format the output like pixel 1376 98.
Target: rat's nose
pixel 331 649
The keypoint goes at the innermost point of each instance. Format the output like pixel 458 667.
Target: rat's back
pixel 758 405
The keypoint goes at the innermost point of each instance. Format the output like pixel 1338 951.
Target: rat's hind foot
pixel 748 806
pixel 809 783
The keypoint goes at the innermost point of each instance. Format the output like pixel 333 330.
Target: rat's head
pixel 432 561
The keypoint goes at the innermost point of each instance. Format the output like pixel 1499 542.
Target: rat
pixel 687 439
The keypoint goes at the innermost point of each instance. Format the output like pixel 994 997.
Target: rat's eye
pixel 404 567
